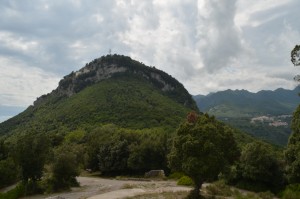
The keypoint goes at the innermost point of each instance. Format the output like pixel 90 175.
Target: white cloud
pixel 20 85
pixel 246 10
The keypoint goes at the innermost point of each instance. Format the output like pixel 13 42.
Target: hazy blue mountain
pixel 244 110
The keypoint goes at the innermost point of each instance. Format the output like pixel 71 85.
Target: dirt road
pixel 100 188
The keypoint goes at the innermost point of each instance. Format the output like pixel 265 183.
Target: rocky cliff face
pixel 90 74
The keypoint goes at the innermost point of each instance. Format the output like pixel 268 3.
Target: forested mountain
pixel 265 114
pixel 112 89
pixel 118 117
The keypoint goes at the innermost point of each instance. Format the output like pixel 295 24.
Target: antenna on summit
pixel 109 51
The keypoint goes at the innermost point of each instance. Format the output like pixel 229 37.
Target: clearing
pixel 101 188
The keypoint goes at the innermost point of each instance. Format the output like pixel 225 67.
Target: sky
pixel 208 45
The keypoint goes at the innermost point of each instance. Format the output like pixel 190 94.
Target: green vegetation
pixel 260 168
pixel 186 181
pixel 292 153
pixel 15 193
pixel 292 191
pixel 8 172
pixel 237 108
pixel 202 148
pixel 64 168
pixel 102 96
pixel 30 153
pixel 125 124
pixel 116 151
pixel 122 101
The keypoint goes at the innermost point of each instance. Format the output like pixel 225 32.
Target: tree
pixel 292 153
pixel 295 55
pixel 202 148
pixel 8 172
pixel 149 153
pixel 113 156
pixel 95 139
pixel 259 165
pixel 295 59
pixel 31 151
pixel 65 168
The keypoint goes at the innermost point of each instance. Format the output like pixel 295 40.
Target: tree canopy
pixel 292 153
pixel 30 153
pixel 202 148
pixel 259 164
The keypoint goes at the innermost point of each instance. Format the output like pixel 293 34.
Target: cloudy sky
pixel 208 45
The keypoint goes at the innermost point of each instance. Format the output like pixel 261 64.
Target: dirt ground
pixel 100 188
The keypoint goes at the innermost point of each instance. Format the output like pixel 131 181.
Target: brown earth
pixel 100 188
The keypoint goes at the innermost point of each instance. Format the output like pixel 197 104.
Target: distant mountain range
pixel 265 114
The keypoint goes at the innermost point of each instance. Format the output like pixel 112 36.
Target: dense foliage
pixel 277 135
pixel 30 154
pixel 292 153
pixel 239 107
pixel 119 151
pixel 125 101
pixel 261 167
pixel 65 168
pixel 203 147
pixel 125 125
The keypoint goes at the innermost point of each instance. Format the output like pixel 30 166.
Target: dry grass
pixel 163 195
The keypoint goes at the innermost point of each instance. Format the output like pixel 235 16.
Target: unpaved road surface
pixel 100 188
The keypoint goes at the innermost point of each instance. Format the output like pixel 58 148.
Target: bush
pixel 291 192
pixel 8 172
pixel 65 170
pixel 15 193
pixel 186 181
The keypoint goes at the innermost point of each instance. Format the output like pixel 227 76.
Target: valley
pixel 265 114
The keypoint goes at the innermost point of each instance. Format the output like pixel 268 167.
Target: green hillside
pixel 128 98
pixel 265 114
pixel 240 103
pixel 116 117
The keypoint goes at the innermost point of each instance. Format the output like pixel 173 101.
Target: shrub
pixel 8 172
pixel 291 192
pixel 186 181
pixel 15 193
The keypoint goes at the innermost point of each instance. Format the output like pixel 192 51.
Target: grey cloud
pixel 275 35
pixel 222 41
pixel 282 75
pixel 58 27
pixel 175 36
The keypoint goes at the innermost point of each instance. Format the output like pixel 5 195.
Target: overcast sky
pixel 208 45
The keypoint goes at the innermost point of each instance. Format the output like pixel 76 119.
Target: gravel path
pixel 100 188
